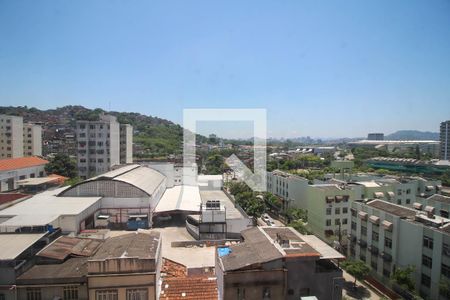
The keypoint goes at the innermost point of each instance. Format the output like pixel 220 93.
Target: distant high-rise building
pixel 375 136
pixel 445 140
pixel 126 144
pixel 18 139
pixel 98 144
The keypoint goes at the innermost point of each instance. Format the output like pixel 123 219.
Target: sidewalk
pixel 361 292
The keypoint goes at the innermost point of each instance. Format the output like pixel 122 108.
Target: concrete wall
pixel 19 173
pixel 52 292
pixel 121 283
pixel 253 283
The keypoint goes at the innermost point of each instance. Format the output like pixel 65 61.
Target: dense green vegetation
pixel 63 165
pixel 247 199
pixel 403 277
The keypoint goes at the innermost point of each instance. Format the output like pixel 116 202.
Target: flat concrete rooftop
pixel 231 210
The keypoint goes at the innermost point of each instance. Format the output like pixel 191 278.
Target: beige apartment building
pixel 126 144
pixel 32 140
pixel 18 139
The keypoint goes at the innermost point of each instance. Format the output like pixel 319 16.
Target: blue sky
pixel 320 68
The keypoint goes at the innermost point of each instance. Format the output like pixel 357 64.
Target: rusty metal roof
pixel 66 246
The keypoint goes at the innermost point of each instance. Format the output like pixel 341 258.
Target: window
pixel 34 294
pixel 241 293
pixel 328 211
pixel 375 236
pixel 353 212
pixel 362 256
pixel 344 221
pixel 445 249
pixel 374 264
pixel 137 294
pixel 91 126
pixel 408 201
pixel 337 222
pixel 387 242
pixel 399 192
pixel 444 213
pixel 337 211
pixel 445 270
pixel 387 273
pixel 399 201
pixel 106 295
pixel 408 191
pixel 427 261
pixel 428 242
pixel 328 223
pixel 266 293
pixel 363 230
pixel 70 292
pixel 353 225
pixel 425 280
pixel 32 175
pixel 344 210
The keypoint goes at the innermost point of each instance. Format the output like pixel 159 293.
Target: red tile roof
pixel 192 288
pixel 9 197
pixel 21 162
pixel 177 285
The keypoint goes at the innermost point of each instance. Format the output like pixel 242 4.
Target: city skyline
pixel 320 69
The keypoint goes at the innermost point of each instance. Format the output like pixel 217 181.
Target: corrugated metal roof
pixel 143 178
pixel 115 173
pixel 64 246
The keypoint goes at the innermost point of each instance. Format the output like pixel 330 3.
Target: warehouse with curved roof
pixel 133 181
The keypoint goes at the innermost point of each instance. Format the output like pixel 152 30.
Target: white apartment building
pixel 11 136
pixel 445 141
pixel 98 145
pixel 386 236
pixel 18 139
pixel 126 144
pixel 291 188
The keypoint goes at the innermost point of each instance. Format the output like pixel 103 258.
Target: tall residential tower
pixel 18 139
pixel 99 145
pixel 445 141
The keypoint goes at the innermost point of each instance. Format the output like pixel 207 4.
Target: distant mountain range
pixel 412 135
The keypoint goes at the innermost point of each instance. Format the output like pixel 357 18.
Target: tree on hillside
pixel 358 269
pixel 63 165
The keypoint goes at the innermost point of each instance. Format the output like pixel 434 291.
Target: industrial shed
pixel 133 181
pixel 129 194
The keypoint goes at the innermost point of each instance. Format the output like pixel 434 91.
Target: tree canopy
pixel 358 269
pixel 63 165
